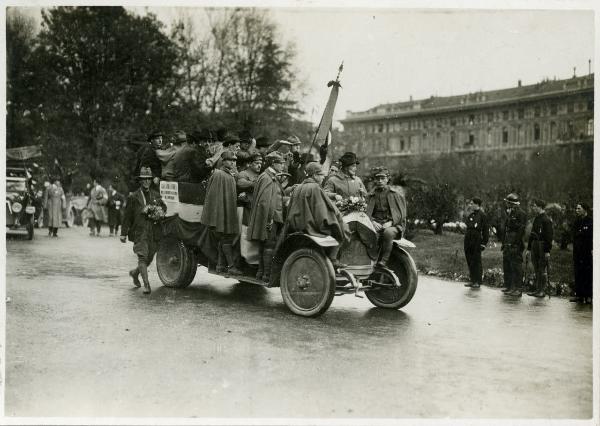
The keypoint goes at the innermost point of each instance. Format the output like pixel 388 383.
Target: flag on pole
pixel 322 139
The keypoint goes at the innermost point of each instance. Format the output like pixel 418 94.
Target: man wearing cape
pixel 220 211
pixel 266 217
pixel 313 213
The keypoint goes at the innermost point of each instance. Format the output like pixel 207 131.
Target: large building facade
pixel 495 125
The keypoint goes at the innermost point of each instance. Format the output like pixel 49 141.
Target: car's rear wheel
pixel 387 295
pixel 307 282
pixel 176 264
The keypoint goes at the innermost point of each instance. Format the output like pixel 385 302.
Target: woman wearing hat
pixel 136 227
pixel 345 183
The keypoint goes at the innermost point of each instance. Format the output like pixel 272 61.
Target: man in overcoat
pixel 312 212
pixel 147 157
pixel 539 246
pixel 97 207
pixel 246 181
pixel 386 206
pixel 513 246
pixel 54 201
pixel 188 163
pixel 477 236
pixel 583 244
pixel 220 211
pixel 345 183
pixel 136 227
pixel 266 215
pixel 115 204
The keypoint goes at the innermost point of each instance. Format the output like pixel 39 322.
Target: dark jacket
pixel 397 203
pixel 478 230
pixel 146 157
pixel 541 230
pixel 134 222
pixel 514 229
pixel 583 238
pixel 189 165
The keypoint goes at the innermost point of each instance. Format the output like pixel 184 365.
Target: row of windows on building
pixel 542 110
pixel 514 135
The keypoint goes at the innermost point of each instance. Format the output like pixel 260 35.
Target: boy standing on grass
pixel 476 238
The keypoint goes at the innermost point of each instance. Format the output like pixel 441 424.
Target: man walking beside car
pixel 476 238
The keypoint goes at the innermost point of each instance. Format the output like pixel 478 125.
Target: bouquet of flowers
pixel 154 212
pixel 351 204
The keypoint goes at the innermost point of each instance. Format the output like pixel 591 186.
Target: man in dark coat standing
pixel 220 212
pixel 476 238
pixel 539 246
pixel 188 163
pixel 583 244
pixel 266 216
pixel 513 246
pixel 312 212
pixel 386 207
pixel 115 204
pixel 136 227
pixel 146 157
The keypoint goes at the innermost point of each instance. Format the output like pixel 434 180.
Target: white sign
pixel 169 191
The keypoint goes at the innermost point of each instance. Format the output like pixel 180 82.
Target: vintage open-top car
pixel 20 210
pixel 300 266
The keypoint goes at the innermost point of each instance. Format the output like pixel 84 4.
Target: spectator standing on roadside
pixel 476 238
pixel 513 246
pixel 114 204
pixel 539 246
pixel 583 245
pixel 97 207
pixel 54 201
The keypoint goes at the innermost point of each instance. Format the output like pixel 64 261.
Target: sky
pixel 392 54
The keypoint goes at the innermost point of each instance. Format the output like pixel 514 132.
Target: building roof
pixel 545 88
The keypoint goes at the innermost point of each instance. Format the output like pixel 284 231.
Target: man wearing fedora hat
pixel 387 209
pixel 144 234
pixel 266 215
pixel 345 183
pixel 512 235
pixel 220 212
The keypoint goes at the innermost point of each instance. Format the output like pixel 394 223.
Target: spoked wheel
pixel 307 282
pixel 387 295
pixel 176 264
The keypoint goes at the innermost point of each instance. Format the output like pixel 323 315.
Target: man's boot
pixel 221 268
pixel 143 268
pixel 541 286
pixel 267 263
pixel 134 274
pixel 228 252
pixel 261 263
pixel 516 292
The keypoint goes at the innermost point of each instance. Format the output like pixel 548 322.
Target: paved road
pixel 80 341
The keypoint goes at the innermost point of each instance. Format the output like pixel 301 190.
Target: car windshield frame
pixel 16 185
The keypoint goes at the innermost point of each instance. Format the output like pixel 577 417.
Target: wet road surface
pixel 81 341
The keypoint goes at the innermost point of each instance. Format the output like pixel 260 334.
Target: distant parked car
pixel 20 209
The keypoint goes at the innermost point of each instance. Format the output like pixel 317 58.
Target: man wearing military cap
pixel 312 212
pixel 288 148
pixel 386 206
pixel 345 183
pixel 231 143
pixel 266 216
pixel 513 231
pixel 220 212
pixel 139 229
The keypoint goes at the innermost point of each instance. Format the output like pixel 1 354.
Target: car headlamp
pixel 17 207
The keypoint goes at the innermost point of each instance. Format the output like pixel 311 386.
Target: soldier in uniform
pixel 146 157
pixel 512 245
pixel 345 183
pixel 246 180
pixel 266 217
pixel 220 212
pixel 386 207
pixel 583 243
pixel 539 246
pixel 136 227
pixel 476 238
